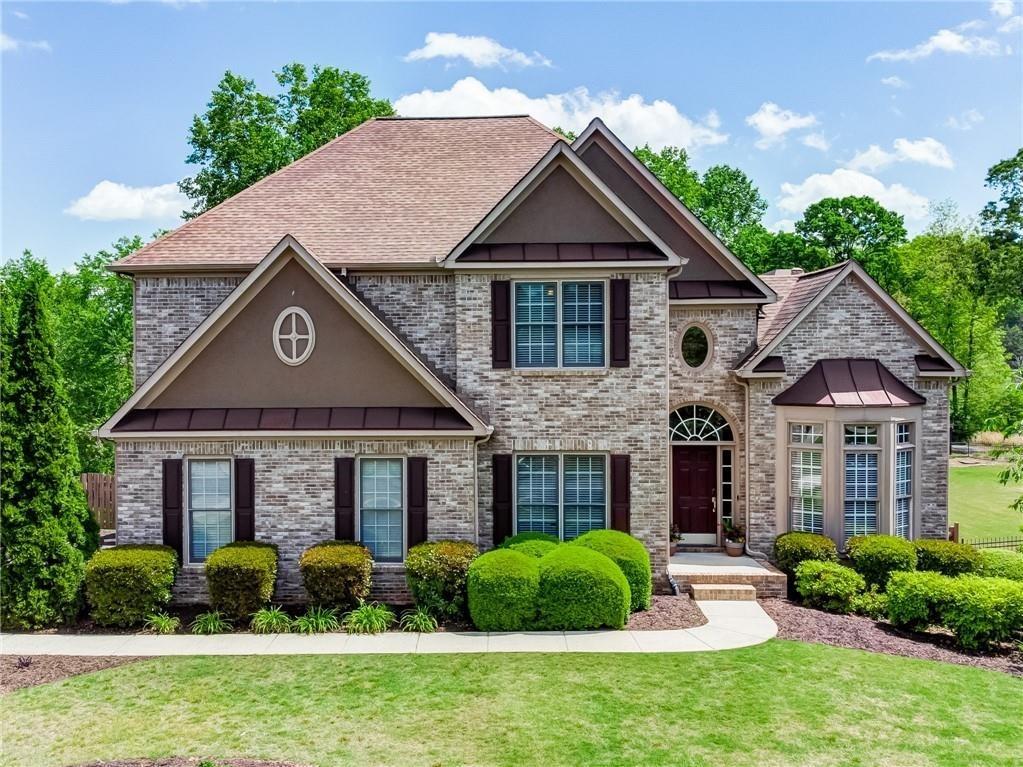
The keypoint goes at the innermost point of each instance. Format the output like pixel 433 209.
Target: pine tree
pixel 47 530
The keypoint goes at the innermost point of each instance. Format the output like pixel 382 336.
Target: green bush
pixel 124 585
pixel 876 557
pixel 503 586
pixel 436 572
pixel 828 585
pixel 946 557
pixel 240 577
pixel 792 548
pixel 630 555
pixel 581 589
pixel 981 610
pixel 336 573
pixel 871 603
pixel 529 536
pixel 995 563
pixel 534 548
pixel 915 599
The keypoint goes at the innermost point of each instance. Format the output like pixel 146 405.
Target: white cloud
pixel 816 141
pixel 845 182
pixel 481 52
pixel 10 45
pixel 772 123
pixel 111 201
pixel 943 41
pixel 965 120
pixel 783 225
pixel 20 15
pixel 1015 24
pixel 925 151
pixel 894 82
pixel 1002 8
pixel 636 120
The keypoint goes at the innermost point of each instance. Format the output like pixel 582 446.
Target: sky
pixel 908 102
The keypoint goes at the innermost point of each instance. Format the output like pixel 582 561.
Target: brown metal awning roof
pixel 292 419
pixel 693 290
pixel 558 252
pixel 849 383
pixel 771 364
pixel 925 363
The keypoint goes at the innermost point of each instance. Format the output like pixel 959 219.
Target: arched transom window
pixel 698 423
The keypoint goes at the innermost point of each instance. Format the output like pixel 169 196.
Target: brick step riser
pixel 730 592
pixel 772 585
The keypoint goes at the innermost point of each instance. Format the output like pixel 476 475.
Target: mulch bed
pixel 860 633
pixel 43 669
pixel 667 612
pixel 191 761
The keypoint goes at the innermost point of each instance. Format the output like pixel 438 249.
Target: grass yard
pixel 782 703
pixel 980 503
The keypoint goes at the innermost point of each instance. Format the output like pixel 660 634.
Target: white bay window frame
pixel 559 361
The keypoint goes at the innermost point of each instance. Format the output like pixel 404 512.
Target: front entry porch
pixel 713 575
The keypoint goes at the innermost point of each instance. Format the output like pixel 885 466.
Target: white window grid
pixel 698 423
pixel 382 507
pixel 561 494
pixel 543 335
pixel 727 485
pixel 806 433
pixel 864 434
pixel 806 497
pixel 903 492
pixel 210 507
pixel 903 434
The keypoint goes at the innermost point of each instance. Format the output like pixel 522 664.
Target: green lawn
pixel 980 503
pixel 783 703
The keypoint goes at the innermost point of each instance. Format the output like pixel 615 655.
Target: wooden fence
pixel 99 488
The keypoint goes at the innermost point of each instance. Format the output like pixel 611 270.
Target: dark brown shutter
pixel 502 497
pixel 416 502
pixel 172 493
pixel 620 481
pixel 619 323
pixel 344 499
pixel 500 323
pixel 244 499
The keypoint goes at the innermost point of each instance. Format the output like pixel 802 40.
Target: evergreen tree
pixel 47 529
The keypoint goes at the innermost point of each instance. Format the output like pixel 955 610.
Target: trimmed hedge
pixel 790 549
pixel 630 555
pixel 946 557
pixel 995 563
pixel 503 586
pixel 126 584
pixel 534 548
pixel 876 557
pixel 240 577
pixel 436 571
pixel 915 598
pixel 828 585
pixel 528 536
pixel 982 610
pixel 581 589
pixel 336 573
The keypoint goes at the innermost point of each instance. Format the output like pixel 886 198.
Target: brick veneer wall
pixel 849 323
pixel 294 498
pixel 614 410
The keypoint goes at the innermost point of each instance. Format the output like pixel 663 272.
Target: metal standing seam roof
pixel 563 252
pixel 690 290
pixel 848 382
pixel 291 419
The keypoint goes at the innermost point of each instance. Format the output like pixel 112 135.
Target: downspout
pixel 476 482
pixel 745 435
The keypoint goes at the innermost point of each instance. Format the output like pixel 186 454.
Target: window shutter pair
pixel 503 501
pixel 415 502
pixel 173 502
pixel 501 325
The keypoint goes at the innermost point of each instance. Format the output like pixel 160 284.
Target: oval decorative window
pixel 294 335
pixel 695 346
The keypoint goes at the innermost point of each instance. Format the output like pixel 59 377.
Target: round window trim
pixel 286 336
pixel 708 339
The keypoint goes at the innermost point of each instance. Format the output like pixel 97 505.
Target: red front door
pixel 694 488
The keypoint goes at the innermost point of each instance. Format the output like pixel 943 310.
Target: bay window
pixel 806 498
pixel 561 495
pixel 903 479
pixel 559 324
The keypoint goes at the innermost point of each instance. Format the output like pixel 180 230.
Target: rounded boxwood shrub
pixel 630 555
pixel 581 589
pixel 528 536
pixel 792 548
pixel 828 585
pixel 534 548
pixel 336 573
pixel 946 557
pixel 240 577
pixel 436 573
pixel 124 585
pixel 915 598
pixel 995 563
pixel 981 610
pixel 503 586
pixel 876 557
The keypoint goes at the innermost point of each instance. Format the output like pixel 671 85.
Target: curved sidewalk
pixel 729 625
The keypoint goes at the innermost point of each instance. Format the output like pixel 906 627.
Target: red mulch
pixel 667 612
pixel 28 671
pixel 809 625
pixel 191 761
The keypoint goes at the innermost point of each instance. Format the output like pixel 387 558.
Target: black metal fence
pixel 1011 542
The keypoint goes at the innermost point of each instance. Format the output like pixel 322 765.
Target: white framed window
pixel 806 497
pixel 903 492
pixel 860 434
pixel 727 485
pixel 560 324
pixel 903 434
pixel 860 506
pixel 210 507
pixel 806 433
pixel 382 507
pixel 294 336
pixel 561 495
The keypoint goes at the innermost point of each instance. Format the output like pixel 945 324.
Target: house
pixel 466 328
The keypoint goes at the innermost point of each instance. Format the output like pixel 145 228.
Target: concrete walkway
pixel 730 625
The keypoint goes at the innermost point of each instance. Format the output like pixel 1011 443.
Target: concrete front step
pixel 718 591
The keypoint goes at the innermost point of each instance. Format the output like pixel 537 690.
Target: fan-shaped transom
pixel 698 423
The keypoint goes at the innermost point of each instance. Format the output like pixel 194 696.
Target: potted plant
pixel 735 540
pixel 676 538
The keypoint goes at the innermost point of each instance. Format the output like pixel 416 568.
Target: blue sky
pixel 910 102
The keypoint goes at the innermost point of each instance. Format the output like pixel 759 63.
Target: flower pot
pixel 734 548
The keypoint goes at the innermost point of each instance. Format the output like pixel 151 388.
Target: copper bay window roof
pixel 849 383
